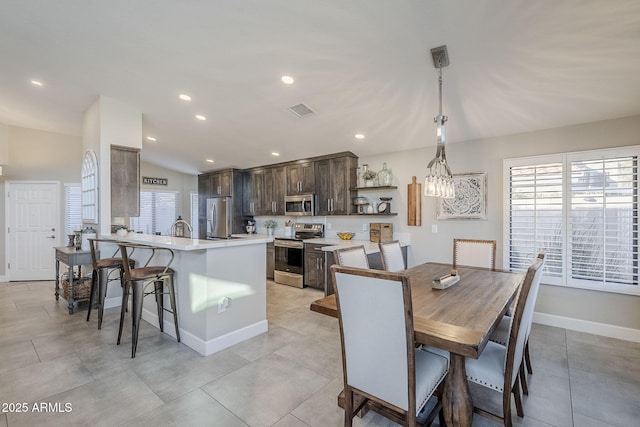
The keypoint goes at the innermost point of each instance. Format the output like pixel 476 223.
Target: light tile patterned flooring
pixel 287 377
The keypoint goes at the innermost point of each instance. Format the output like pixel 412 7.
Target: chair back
pixel 474 253
pixel 94 246
pixel 392 258
pixel 376 332
pixel 352 256
pixel 126 249
pixel 522 318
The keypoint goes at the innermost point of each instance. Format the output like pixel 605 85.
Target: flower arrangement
pixel 368 175
pixel 270 224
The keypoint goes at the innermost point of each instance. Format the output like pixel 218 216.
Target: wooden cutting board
pixel 414 211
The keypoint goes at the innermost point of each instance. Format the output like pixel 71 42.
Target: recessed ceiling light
pixel 184 97
pixel 151 138
pixel 359 136
pixel 36 83
pixel 200 117
pixel 288 80
pixel 275 154
pixel 210 161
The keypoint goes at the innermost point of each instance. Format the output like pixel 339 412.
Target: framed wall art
pixel 470 201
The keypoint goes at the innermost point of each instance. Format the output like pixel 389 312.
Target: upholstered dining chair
pixel 137 280
pixel 104 270
pixel 381 367
pixel 499 367
pixel 392 258
pixel 474 253
pixel 352 256
pixel 501 336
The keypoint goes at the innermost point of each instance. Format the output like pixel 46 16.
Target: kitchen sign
pixel 154 181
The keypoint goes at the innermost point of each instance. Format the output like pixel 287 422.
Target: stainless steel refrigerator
pixel 219 218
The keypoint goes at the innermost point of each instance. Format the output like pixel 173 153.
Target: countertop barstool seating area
pixel 352 256
pixel 103 270
pixel 381 367
pixel 137 280
pixel 498 367
pixel 391 254
pixel 474 253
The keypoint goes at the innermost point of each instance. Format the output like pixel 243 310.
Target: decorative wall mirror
pixel 90 187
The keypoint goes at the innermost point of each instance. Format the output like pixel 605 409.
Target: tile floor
pixel 289 377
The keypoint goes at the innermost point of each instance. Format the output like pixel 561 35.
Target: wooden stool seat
pixel 145 273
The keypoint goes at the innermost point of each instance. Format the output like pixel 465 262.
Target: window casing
pixel 581 208
pixel 158 211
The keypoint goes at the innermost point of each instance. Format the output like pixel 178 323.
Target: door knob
pixel 52 237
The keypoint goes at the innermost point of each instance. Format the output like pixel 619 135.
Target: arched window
pixel 90 187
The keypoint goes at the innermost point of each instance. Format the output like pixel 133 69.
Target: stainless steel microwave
pixel 301 205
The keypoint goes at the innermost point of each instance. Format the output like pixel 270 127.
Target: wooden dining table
pixel 459 319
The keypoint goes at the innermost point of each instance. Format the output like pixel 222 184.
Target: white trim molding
pixel 579 325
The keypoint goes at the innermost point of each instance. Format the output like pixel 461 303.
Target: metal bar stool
pixel 103 270
pixel 136 282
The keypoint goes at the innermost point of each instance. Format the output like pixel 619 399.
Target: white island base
pixel 220 289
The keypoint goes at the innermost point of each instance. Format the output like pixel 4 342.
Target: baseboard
pixel 113 302
pixel 215 345
pixel 612 331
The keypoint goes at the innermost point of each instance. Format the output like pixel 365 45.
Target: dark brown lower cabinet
pixel 314 265
pixel 271 260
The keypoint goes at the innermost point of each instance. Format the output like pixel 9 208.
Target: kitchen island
pixel 220 288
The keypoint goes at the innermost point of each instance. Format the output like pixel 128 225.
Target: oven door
pixel 289 257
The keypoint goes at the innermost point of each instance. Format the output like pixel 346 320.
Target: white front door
pixel 33 222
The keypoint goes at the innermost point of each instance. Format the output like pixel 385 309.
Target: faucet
pixel 177 229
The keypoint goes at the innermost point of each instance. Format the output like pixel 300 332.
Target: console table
pixel 71 257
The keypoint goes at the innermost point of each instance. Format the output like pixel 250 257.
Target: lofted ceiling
pixel 363 66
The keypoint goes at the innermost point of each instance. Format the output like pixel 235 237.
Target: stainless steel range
pixel 289 254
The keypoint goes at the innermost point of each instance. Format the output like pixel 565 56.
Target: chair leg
pixel 102 293
pixel 527 358
pixel 138 296
pixel 506 408
pixel 518 398
pixel 348 407
pixel 158 292
pixel 523 380
pixel 172 298
pixel 126 286
pixel 122 283
pixel 94 281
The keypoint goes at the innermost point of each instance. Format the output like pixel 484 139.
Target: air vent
pixel 301 110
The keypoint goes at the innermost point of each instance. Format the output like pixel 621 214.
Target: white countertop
pixel 333 244
pixel 187 244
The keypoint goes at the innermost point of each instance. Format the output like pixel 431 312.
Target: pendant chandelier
pixel 439 182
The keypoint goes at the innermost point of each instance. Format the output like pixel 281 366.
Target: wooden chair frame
pixel 492 243
pixel 386 249
pixel 355 399
pixel 339 252
pixel 522 316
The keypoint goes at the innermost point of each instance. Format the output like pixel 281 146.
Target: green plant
pixel 270 223
pixel 369 175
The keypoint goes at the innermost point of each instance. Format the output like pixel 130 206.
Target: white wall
pixel 47 156
pixel 39 155
pixel 487 155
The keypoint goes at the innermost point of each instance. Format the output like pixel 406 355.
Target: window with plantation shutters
pixel 158 211
pixel 582 210
pixel 73 208
pixel 194 214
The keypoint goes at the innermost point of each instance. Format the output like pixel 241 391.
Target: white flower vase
pixel 269 232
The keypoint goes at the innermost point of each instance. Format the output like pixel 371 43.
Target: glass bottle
pixel 384 176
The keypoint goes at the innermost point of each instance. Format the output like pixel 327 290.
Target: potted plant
pixel 368 177
pixel 270 224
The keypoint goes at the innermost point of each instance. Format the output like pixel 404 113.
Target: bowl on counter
pixel 345 235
